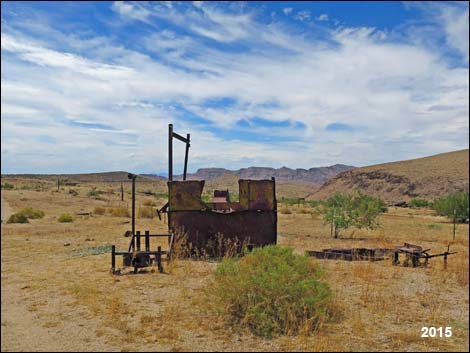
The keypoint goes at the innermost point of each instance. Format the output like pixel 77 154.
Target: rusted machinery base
pixel 137 258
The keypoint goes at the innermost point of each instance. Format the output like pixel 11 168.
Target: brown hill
pixel 427 178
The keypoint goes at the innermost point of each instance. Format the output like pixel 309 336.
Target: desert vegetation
pixel 343 210
pixel 368 304
pixel 271 291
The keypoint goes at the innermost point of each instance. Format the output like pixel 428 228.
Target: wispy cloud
pixel 250 88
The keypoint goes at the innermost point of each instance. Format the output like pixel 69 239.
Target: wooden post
pixel 58 184
pixel 445 261
pixel 122 192
pixel 138 240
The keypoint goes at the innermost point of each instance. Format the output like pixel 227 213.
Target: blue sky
pixel 92 86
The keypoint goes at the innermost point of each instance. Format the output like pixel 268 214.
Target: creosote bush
pixel 270 291
pixel 65 218
pixel 18 218
pixel 31 213
pixel 25 214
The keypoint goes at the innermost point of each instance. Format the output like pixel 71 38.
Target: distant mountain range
pixel 313 175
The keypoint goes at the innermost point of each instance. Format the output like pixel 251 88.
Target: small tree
pixel 459 201
pixel 342 211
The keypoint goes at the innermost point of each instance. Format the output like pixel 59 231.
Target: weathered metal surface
pixel 185 196
pixel 354 254
pixel 252 221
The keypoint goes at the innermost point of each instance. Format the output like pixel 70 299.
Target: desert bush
pixel 94 193
pixel 31 213
pixel 65 218
pixel 270 291
pixel 285 210
pixel 18 218
pixel 146 212
pixel 119 212
pixel 99 211
pixel 445 206
pixel 342 211
pixel 418 203
pixel 8 186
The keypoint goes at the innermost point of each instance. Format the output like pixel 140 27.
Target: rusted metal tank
pixel 252 220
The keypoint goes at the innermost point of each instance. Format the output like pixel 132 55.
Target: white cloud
pixel 322 17
pixel 287 10
pixel 402 98
pixel 303 15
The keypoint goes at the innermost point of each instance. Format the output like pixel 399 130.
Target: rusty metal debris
pixel 414 254
pixel 354 254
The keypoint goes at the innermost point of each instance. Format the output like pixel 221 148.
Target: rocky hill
pixel 395 182
pixel 284 174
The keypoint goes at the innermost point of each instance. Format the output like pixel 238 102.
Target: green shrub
pixel 65 218
pixel 32 213
pixel 419 203
pixel 18 218
pixel 270 291
pixel 445 206
pixel 99 211
pixel 342 211
pixel 8 186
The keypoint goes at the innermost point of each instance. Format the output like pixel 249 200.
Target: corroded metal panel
pixel 203 227
pixel 185 196
pixel 251 221
pixel 257 194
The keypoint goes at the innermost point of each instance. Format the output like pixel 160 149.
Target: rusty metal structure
pixel 251 221
pixel 135 256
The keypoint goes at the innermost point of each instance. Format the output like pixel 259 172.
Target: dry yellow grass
pixel 70 302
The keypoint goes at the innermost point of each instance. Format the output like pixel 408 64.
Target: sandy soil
pixel 54 300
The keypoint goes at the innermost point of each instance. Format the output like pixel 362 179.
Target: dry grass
pixel 69 302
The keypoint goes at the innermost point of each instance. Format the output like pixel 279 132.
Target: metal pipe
pixel 170 152
pixel 186 156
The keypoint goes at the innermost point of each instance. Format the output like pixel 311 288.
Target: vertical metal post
pixel 122 192
pixel 186 156
pixel 133 205
pixel 147 240
pixel 113 258
pixel 170 152
pixel 138 240
pixel 58 183
pixel 159 259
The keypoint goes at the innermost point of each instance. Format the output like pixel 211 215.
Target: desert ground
pixel 58 294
